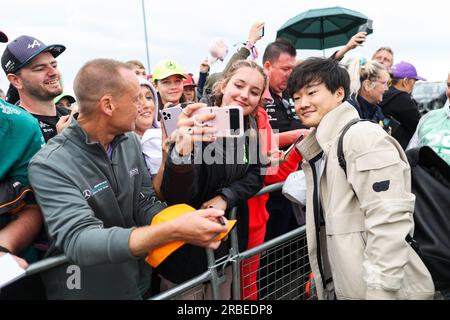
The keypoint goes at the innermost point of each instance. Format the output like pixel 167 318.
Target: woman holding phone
pixel 217 172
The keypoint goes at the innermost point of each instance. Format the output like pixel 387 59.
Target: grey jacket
pixel 90 206
pixel 365 216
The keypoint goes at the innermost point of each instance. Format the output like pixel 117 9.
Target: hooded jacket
pixel 399 105
pixel 357 224
pixel 152 138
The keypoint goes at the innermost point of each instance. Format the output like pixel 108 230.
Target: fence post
pixel 234 251
pixel 214 278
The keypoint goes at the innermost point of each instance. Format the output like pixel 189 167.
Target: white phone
pixel 169 117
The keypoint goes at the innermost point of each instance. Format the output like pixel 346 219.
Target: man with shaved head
pixel 96 196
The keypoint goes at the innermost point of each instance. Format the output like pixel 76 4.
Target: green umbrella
pixel 323 28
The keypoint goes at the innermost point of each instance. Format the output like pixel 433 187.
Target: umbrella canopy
pixel 322 28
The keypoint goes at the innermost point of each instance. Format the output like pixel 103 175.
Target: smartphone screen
pixel 234 122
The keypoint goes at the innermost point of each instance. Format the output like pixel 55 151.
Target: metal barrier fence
pixel 276 270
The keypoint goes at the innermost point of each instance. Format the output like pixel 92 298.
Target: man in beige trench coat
pixel 363 215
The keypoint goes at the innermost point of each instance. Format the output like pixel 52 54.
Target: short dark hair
pixel 97 78
pixel 319 70
pixel 276 48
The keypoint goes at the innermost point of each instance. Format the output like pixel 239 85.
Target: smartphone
pixel 229 120
pixel 169 117
pixel 261 33
pixel 292 146
pixel 366 26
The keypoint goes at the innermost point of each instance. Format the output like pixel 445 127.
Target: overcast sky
pixel 418 31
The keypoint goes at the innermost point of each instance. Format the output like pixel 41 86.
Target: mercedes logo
pixel 87 194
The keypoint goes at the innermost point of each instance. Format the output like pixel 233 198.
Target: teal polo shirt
pixel 20 139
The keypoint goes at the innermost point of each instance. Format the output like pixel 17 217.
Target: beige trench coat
pixel 363 242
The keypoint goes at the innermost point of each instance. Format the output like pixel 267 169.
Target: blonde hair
pixel 135 63
pixel 218 95
pixel 387 49
pixel 360 70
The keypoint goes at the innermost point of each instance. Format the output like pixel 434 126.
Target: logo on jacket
pixel 87 194
pixel 134 172
pixel 96 189
pixel 381 186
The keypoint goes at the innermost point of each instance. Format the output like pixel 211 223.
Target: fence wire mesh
pixel 278 273
pixel 277 270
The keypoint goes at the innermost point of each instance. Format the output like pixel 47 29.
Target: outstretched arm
pixel 354 42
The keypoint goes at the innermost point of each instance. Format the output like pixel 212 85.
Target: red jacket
pixel 258 214
pixel 257 206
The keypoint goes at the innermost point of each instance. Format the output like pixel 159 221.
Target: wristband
pixel 251 47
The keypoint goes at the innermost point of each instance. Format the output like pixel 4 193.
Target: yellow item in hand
pixel 158 255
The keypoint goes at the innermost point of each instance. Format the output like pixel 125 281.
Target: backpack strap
pixel 340 149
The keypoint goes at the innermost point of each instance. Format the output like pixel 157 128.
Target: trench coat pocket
pixel 377 159
pixel 345 223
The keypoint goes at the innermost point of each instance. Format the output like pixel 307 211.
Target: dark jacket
pixel 91 204
pixel 399 105
pixel 197 183
pixel 366 110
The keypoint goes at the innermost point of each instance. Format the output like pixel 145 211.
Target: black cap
pixel 23 50
pixel 3 37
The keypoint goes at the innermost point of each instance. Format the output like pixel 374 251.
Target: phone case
pixel 229 120
pixel 169 117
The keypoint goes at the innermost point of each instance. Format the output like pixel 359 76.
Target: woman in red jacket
pixel 258 214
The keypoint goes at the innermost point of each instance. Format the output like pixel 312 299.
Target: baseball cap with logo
pixel 167 68
pixel 405 70
pixel 3 37
pixel 23 50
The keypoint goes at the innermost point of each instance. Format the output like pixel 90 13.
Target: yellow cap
pixel 167 68
pixel 158 255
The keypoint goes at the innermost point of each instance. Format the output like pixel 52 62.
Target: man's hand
pixel 202 227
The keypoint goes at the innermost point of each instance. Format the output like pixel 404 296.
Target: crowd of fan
pixel 101 167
